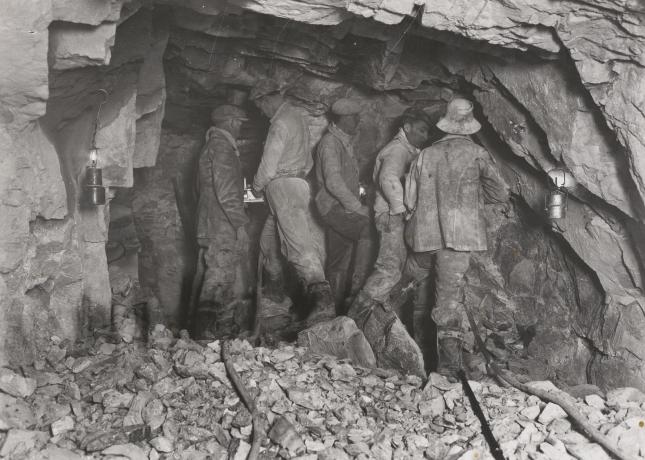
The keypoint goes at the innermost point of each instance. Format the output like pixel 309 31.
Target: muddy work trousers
pixel 223 272
pixel 391 258
pixel 301 239
pixel 347 237
pixel 449 267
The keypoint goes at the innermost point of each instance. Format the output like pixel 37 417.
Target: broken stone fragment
pixel 625 397
pixel 63 425
pixel 162 444
pixel 341 338
pixel 20 442
pixel 551 412
pixel 127 450
pixel 285 435
pixel 16 385
pixel 15 413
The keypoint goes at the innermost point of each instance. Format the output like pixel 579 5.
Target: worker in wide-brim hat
pixel 221 234
pixel 445 190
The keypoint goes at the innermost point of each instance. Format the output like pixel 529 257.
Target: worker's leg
pixel 391 257
pixel 448 310
pixel 289 199
pixel 344 229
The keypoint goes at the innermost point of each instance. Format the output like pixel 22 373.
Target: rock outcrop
pixel 557 83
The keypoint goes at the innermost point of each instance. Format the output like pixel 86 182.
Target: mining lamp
pixel 560 182
pixel 94 174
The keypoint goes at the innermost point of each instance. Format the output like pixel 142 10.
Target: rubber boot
pixel 449 357
pixel 338 283
pixel 393 347
pixel 362 259
pixel 322 302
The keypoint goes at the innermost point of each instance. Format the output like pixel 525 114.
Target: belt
pixel 300 175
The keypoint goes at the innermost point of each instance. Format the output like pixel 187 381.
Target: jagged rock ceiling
pixel 558 82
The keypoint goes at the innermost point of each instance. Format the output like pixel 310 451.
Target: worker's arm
pixel 273 150
pixel 494 186
pixel 227 174
pixel 330 164
pixel 392 170
pixel 411 183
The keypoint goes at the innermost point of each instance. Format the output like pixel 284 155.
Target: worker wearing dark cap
pixel 221 218
pixel 286 161
pixel 338 202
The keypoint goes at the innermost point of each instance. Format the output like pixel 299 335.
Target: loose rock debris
pixel 173 399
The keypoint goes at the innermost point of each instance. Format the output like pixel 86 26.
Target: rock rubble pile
pixel 172 399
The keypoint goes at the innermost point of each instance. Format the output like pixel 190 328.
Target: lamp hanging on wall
pixel 94 174
pixel 560 182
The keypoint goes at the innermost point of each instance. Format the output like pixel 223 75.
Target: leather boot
pixel 449 357
pixel 322 302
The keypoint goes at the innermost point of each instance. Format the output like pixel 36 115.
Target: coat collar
pixel 214 130
pixel 403 139
pixel 341 135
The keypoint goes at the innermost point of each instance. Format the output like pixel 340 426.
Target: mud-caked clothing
pixel 338 203
pixel 220 212
pixel 285 163
pixel 392 163
pixel 447 187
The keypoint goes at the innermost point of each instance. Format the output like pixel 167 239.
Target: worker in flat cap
pixel 371 309
pixel 281 176
pixel 446 189
pixel 338 202
pixel 219 284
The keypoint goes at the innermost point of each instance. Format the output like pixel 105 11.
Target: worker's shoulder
pixel 393 149
pixel 217 145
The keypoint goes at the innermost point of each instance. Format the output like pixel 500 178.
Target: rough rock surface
pixel 556 81
pixel 174 397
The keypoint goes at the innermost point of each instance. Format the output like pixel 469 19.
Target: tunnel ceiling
pixel 557 82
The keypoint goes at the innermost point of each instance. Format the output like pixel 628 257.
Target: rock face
pixel 559 83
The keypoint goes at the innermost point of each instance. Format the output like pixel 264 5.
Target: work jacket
pixel 336 172
pixel 392 162
pixel 286 150
pixel 220 207
pixel 447 187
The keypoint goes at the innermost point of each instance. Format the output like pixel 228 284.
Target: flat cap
pixel 226 112
pixel 346 106
pixel 263 88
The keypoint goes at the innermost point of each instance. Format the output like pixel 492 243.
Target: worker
pixel 338 202
pixel 281 176
pixel 371 310
pixel 221 220
pixel 446 189
pixel 392 163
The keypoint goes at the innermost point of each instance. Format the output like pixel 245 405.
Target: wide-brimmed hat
pixel 227 111
pixel 459 118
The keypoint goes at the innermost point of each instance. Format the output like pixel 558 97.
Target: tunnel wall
pixel 576 100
